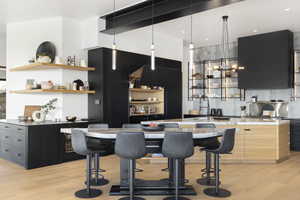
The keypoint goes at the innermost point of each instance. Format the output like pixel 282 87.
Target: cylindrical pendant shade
pixel 114 57
pixel 152 57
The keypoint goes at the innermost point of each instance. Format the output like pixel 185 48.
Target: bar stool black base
pixel 134 198
pixel 174 198
pixel 222 192
pixel 100 182
pixel 206 181
pixel 85 195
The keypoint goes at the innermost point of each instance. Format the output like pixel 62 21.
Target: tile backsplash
pixel 232 107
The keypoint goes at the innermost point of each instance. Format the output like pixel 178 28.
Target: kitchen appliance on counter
pixel 272 109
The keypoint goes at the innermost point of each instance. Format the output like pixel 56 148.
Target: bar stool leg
pixel 131 182
pixel 88 192
pixel 206 177
pixel 96 181
pixel 176 196
pixel 217 191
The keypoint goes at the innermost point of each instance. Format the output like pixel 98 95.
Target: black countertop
pixel 19 123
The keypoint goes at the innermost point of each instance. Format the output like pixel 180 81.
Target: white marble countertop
pixel 111 133
pixel 232 121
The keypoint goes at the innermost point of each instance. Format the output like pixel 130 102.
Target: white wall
pixel 2 49
pixel 23 38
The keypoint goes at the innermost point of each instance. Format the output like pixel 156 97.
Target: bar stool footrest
pixel 85 195
pixel 134 198
pixel 222 192
pixel 174 198
pixel 207 181
pixel 100 182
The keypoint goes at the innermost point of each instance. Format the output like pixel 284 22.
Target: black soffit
pixel 139 15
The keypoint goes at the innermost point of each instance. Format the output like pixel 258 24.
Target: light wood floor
pixel 246 181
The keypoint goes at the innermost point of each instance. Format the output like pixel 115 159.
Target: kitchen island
pixel 257 140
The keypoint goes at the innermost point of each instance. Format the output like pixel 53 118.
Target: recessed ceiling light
pixel 287 9
pixel 254 31
pixel 206 39
pixel 183 32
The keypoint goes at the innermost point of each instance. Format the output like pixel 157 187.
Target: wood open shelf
pixel 144 90
pixel 145 102
pixel 46 66
pixel 38 91
pixel 144 114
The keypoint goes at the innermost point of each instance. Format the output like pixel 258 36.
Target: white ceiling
pixel 244 19
pixel 21 10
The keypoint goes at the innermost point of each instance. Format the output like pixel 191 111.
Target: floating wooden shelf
pixel 146 102
pixel 37 91
pixel 145 114
pixel 144 90
pixel 46 66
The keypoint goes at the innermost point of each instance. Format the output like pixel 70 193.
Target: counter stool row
pixel 131 146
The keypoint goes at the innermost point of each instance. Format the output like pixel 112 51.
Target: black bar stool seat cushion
pixel 178 145
pixel 227 143
pixel 130 145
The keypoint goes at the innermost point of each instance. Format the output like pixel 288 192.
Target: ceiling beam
pixel 140 15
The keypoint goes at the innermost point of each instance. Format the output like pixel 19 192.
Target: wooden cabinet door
pixel 260 143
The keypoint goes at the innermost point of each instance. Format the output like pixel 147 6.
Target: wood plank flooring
pixel 59 182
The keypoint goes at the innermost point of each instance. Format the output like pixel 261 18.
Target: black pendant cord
pixel 152 13
pixel 191 21
pixel 114 22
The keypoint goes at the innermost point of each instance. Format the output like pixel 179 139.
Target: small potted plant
pixel 40 116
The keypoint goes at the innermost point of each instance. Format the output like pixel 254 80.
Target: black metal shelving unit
pixel 198 86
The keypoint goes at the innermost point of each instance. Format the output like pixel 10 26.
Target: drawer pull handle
pixel 6 127
pixel 19 129
pixel 247 129
pixel 6 150
pixel 6 137
pixel 19 140
pixel 19 155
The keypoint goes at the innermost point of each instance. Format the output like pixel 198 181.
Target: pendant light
pixel 152 44
pixel 225 41
pixel 114 46
pixel 191 46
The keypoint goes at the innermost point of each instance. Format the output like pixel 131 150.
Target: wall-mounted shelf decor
pixel 46 66
pixel 40 91
pixel 146 102
pixel 208 78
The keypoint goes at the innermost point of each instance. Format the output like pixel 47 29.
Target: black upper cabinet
pixel 110 104
pixel 267 59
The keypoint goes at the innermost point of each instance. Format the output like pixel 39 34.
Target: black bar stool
pixel 225 147
pixel 131 146
pixel 177 146
pixel 80 146
pixel 103 149
pixel 210 143
pixel 169 125
pixel 137 126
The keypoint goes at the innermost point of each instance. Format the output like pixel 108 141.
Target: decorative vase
pixel 39 116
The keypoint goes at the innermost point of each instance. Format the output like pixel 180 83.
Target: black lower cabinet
pixel 295 135
pixel 37 145
pixel 139 119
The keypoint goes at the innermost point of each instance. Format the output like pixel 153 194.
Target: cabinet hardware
pixel 19 129
pixel 19 155
pixel 247 129
pixel 6 150
pixel 19 140
pixel 6 137
pixel 6 127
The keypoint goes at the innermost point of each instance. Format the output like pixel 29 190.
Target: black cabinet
pixel 37 145
pixel 295 135
pixel 268 61
pixel 110 104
